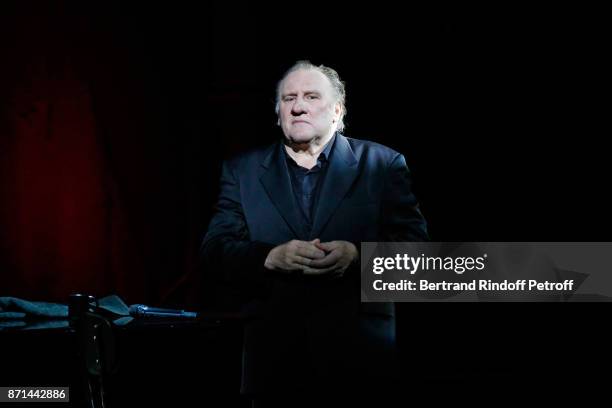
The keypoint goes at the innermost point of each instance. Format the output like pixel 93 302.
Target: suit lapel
pixel 341 173
pixel 277 184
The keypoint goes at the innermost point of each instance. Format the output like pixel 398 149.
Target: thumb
pixel 326 246
pixel 318 244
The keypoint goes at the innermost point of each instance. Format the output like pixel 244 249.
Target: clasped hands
pixel 312 257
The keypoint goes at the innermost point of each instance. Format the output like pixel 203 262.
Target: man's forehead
pixel 305 80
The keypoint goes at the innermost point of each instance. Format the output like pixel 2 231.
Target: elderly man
pixel 287 230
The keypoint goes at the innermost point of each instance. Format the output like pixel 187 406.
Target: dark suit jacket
pixel 366 196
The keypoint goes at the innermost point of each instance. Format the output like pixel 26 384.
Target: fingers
pixel 334 271
pixel 308 250
pixel 331 259
pixel 296 255
pixel 302 261
pixel 287 263
pixel 310 257
pixel 318 271
pixel 323 246
pixel 328 246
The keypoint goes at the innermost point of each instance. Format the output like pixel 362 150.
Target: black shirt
pixel 307 183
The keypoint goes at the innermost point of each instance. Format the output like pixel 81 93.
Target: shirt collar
pixel 327 150
pixel 323 156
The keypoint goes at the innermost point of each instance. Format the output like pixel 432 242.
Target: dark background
pixel 115 117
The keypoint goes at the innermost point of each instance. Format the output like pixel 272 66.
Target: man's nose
pixel 298 108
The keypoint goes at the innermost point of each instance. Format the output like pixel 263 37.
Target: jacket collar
pixel 341 173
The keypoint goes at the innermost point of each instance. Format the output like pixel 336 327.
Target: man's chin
pixel 300 139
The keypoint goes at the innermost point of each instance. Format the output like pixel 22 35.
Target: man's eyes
pixel 309 97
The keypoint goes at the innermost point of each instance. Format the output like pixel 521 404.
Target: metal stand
pixel 95 346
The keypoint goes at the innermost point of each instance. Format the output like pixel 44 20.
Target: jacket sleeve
pixel 401 218
pixel 226 247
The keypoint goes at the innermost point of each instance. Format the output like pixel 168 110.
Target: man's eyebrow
pixel 293 93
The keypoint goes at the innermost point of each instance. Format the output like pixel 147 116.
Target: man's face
pixel 308 108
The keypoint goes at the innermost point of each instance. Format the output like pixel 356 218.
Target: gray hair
pixel 334 79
